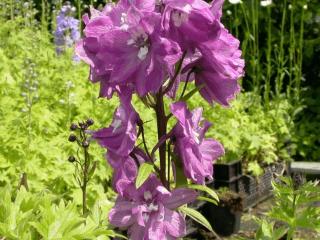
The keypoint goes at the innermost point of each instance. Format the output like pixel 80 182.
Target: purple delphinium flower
pixel 189 22
pixel 125 168
pixel 142 54
pixel 106 24
pixel 149 212
pixel 217 72
pixel 67 29
pixel 121 136
pixel 196 152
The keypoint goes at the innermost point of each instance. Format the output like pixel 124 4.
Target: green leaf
pixel 195 215
pixel 280 232
pixel 204 188
pixel 191 93
pixel 213 201
pixel 144 172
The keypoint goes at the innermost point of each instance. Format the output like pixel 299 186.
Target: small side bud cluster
pixel 84 166
pixel 80 130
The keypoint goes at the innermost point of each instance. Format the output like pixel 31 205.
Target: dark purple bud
pixel 72 138
pixel 71 159
pixel 73 127
pixel 90 122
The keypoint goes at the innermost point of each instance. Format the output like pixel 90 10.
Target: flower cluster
pixel 149 47
pixel 67 29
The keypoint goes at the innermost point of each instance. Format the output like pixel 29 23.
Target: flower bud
pixel 90 122
pixel 73 127
pixel 72 138
pixel 71 159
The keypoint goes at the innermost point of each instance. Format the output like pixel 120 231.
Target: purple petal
pixel 121 214
pixel 179 197
pixel 174 223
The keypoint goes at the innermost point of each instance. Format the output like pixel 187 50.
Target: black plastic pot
pixel 232 185
pixel 253 189
pixel 227 171
pixel 258 189
pixel 222 219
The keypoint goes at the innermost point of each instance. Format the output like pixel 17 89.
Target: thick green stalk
pixel 11 10
pixel 280 73
pixel 292 50
pixel 300 58
pixel 237 20
pixel 269 64
pixel 258 74
pixel 79 13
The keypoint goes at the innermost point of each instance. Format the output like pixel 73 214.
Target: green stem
pixel 11 10
pixel 280 76
pixel 85 180
pixel 292 51
pixel 292 228
pixel 300 49
pixel 236 16
pixel 268 78
pixel 79 13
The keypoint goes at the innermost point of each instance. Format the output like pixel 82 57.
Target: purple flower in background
pixel 67 29
pixel 121 136
pixel 149 212
pixel 218 70
pixel 189 22
pixel 196 152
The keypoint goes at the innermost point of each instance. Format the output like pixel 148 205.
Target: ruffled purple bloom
pixel 189 22
pixel 196 152
pixel 143 56
pixel 125 169
pixel 125 47
pixel 149 212
pixel 219 68
pixel 121 136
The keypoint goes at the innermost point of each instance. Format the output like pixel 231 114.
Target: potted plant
pixel 225 217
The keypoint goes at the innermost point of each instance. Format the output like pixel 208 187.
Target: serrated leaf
pixel 144 172
pixel 196 216
pixel 204 188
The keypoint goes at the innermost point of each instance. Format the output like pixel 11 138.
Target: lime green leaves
pixel 144 172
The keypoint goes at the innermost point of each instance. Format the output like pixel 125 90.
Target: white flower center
pixel 124 22
pixel 145 217
pixel 116 124
pixel 140 40
pixel 147 195
pixel 196 136
pixel 143 52
pixel 153 207
pixel 179 18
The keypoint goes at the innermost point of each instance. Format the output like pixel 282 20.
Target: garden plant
pixel 115 114
pixel 148 48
